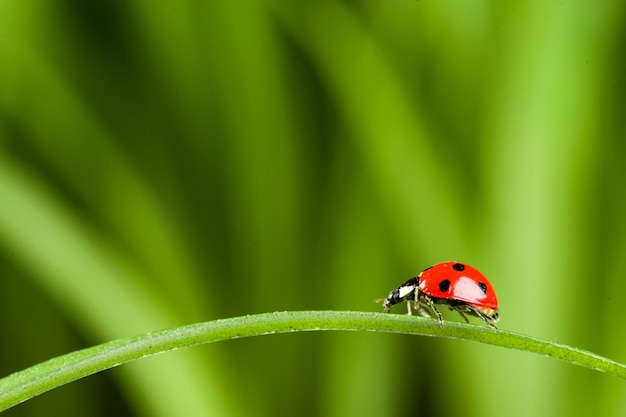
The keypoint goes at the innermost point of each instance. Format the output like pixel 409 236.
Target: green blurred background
pixel 163 163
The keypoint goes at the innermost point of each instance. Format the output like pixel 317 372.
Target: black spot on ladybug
pixel 444 285
pixel 458 267
pixel 483 287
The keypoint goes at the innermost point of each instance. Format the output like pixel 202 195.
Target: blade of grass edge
pixel 23 385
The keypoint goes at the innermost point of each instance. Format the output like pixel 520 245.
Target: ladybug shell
pixel 457 281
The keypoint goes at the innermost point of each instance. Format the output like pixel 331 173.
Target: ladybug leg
pixel 488 321
pixel 432 306
pixel 438 313
pixel 424 313
pixel 485 317
pixel 419 299
pixel 415 301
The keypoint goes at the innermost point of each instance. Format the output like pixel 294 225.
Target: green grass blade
pixel 43 377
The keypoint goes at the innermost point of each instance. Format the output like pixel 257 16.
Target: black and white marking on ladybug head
pixel 405 290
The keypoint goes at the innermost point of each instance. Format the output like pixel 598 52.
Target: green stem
pixel 45 376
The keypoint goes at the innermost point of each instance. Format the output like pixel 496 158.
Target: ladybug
pixel 458 286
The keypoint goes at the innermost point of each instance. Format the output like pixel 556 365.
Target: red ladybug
pixel 459 286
